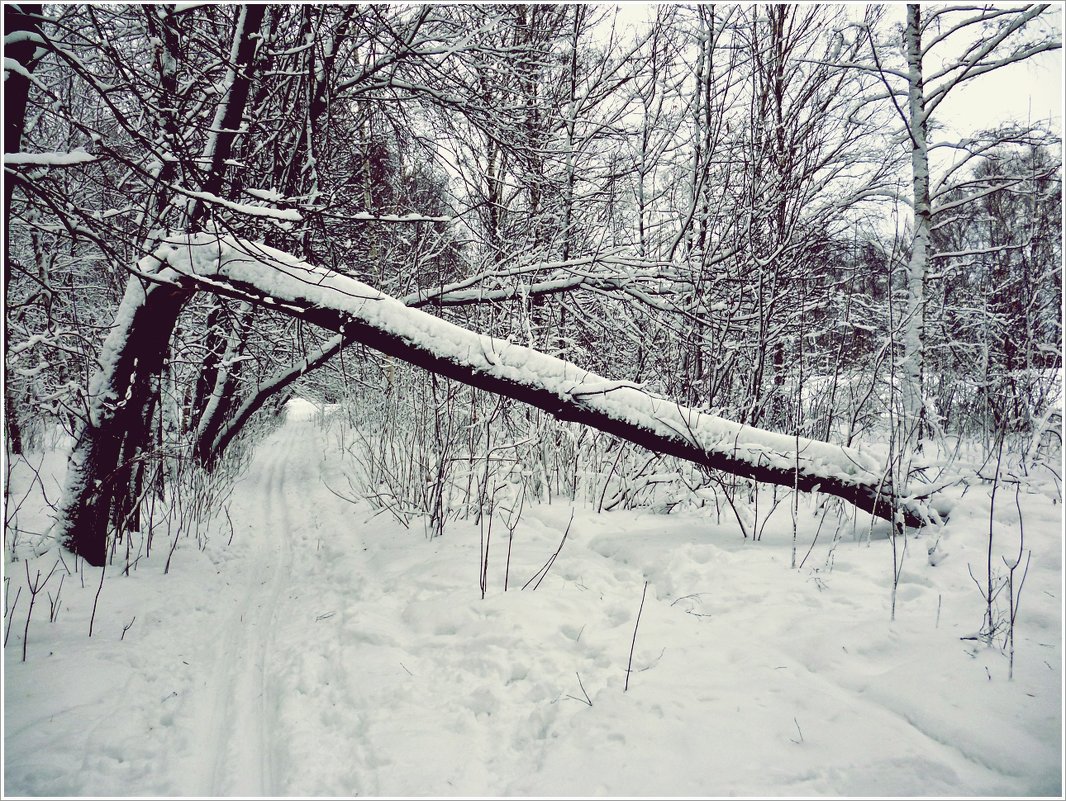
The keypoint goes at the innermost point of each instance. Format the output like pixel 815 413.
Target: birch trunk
pixel 917 267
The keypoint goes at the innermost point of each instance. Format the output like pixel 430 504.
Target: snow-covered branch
pixel 56 159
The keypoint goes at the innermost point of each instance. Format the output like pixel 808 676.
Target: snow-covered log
pixel 363 314
pixel 360 313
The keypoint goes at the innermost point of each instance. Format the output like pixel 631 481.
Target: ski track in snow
pixel 330 656
pixel 238 745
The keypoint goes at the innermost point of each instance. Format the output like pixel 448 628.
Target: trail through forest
pixel 329 651
pixel 243 699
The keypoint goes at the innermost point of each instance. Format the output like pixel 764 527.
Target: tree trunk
pixel 220 145
pixel 122 399
pixel 914 323
pixel 17 19
pixel 226 372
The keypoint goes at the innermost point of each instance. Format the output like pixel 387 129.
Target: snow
pixel 55 159
pixel 272 195
pixel 327 651
pixel 290 215
pixel 301 409
pixel 104 394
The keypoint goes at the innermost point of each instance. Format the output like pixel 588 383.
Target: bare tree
pixel 985 39
pixel 682 209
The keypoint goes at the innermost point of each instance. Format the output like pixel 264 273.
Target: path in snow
pixel 272 717
pixel 235 755
pixel 360 659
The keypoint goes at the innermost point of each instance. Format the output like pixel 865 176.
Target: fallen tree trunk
pixel 362 314
pixel 248 271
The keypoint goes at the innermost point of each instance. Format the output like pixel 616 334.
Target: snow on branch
pixel 364 314
pixel 54 159
pixel 289 215
pixel 366 216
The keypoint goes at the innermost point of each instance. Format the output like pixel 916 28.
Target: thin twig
pixel 551 560
pixel 586 700
pixel 633 645
pixel 11 615
pixel 92 618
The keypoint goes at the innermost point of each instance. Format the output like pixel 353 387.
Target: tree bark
pixel 110 442
pixel 220 145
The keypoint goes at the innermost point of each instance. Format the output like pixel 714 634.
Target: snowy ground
pixel 326 651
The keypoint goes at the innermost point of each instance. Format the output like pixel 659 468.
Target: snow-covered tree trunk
pixel 133 356
pixel 222 396
pixel 222 143
pixel 229 112
pixel 917 267
pixel 121 401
